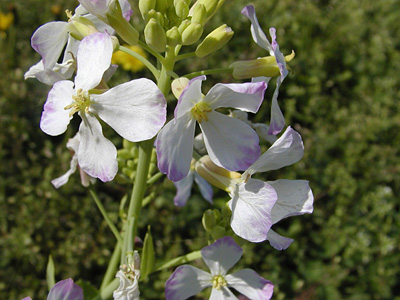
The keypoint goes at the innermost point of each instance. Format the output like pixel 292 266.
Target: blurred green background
pixel 342 97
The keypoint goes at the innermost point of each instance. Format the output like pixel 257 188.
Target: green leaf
pixel 50 277
pixel 148 255
pixel 89 291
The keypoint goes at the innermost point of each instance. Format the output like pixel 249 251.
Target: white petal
pixel 262 131
pixel 49 40
pixel 222 255
pixel 189 97
pixel 250 284
pixel 55 118
pixel 277 119
pixel 60 181
pixel 287 150
pixel 231 143
pixel 93 59
pixel 47 76
pixel 97 156
pixel 174 145
pixel 251 206
pixel 183 189
pixel 96 7
pixel 277 241
pixel 135 109
pixel 294 198
pixel 222 294
pixel 206 189
pixel 186 281
pixel 244 96
pixel 256 31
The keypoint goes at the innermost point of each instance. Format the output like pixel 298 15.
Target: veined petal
pixel 93 59
pixel 186 281
pixel 231 143
pixel 206 189
pixel 55 118
pixel 174 145
pixel 183 189
pixel 135 109
pixel 222 294
pixel 49 40
pixel 256 31
pixel 65 290
pixel 294 198
pixel 287 150
pixel 189 97
pixel 250 284
pixel 244 96
pixel 277 241
pixel 97 156
pixel 251 206
pixel 222 255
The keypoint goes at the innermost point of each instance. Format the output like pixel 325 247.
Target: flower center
pixel 218 282
pixel 200 110
pixel 81 103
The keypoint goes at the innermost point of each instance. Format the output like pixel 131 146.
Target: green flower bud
pixel 214 41
pixel 184 24
pixel 199 14
pixel 218 232
pixel 124 154
pixel 155 36
pixel 161 5
pixel 172 17
pixel 192 34
pixel 124 29
pixel 209 220
pixel 81 27
pixel 145 6
pixel 152 14
pixel 173 37
pixel 127 144
pixel 178 85
pixel 181 9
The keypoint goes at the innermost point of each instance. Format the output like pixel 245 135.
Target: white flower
pixel 128 287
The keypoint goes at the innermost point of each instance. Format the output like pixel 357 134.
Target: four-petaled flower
pixel 220 256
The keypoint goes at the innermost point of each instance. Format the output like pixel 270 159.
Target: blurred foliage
pixel 343 99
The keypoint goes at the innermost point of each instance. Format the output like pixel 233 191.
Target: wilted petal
pixel 231 143
pixel 277 119
pixel 55 118
pixel 45 76
pixel 277 241
pixel 186 281
pixel 287 150
pixel 251 206
pixel 250 284
pixel 183 189
pixel 60 181
pixel 221 255
pixel 128 289
pixel 65 290
pixel 206 189
pixel 49 40
pixel 97 156
pixel 135 109
pixel 174 145
pixel 189 97
pixel 244 96
pixel 93 59
pixel 256 31
pixel 222 294
pixel 294 198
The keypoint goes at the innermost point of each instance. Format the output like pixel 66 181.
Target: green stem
pixel 186 55
pixel 143 60
pixel 208 72
pixel 112 267
pixel 154 178
pixel 106 217
pixel 151 51
pixel 179 260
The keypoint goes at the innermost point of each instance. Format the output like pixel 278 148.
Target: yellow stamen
pixel 81 103
pixel 218 282
pixel 200 110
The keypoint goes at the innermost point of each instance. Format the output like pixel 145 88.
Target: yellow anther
pixel 81 103
pixel 200 110
pixel 218 282
pixel 69 14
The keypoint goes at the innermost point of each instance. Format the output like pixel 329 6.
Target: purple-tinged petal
pixel 183 189
pixel 280 58
pixel 55 118
pixel 206 189
pixel 251 206
pixel 189 97
pixel 98 8
pixel 222 255
pixel 231 143
pixel 49 41
pixel 277 241
pixel 186 281
pixel 256 31
pixel 277 121
pixel 136 109
pixel 93 59
pixel 97 156
pixel 222 294
pixel 27 298
pixel 263 132
pixel 250 284
pixel 174 145
pixel 127 12
pixel 294 198
pixel 287 150
pixel 244 96
pixel 65 290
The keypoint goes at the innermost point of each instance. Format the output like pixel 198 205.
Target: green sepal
pixel 148 256
pixel 50 273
